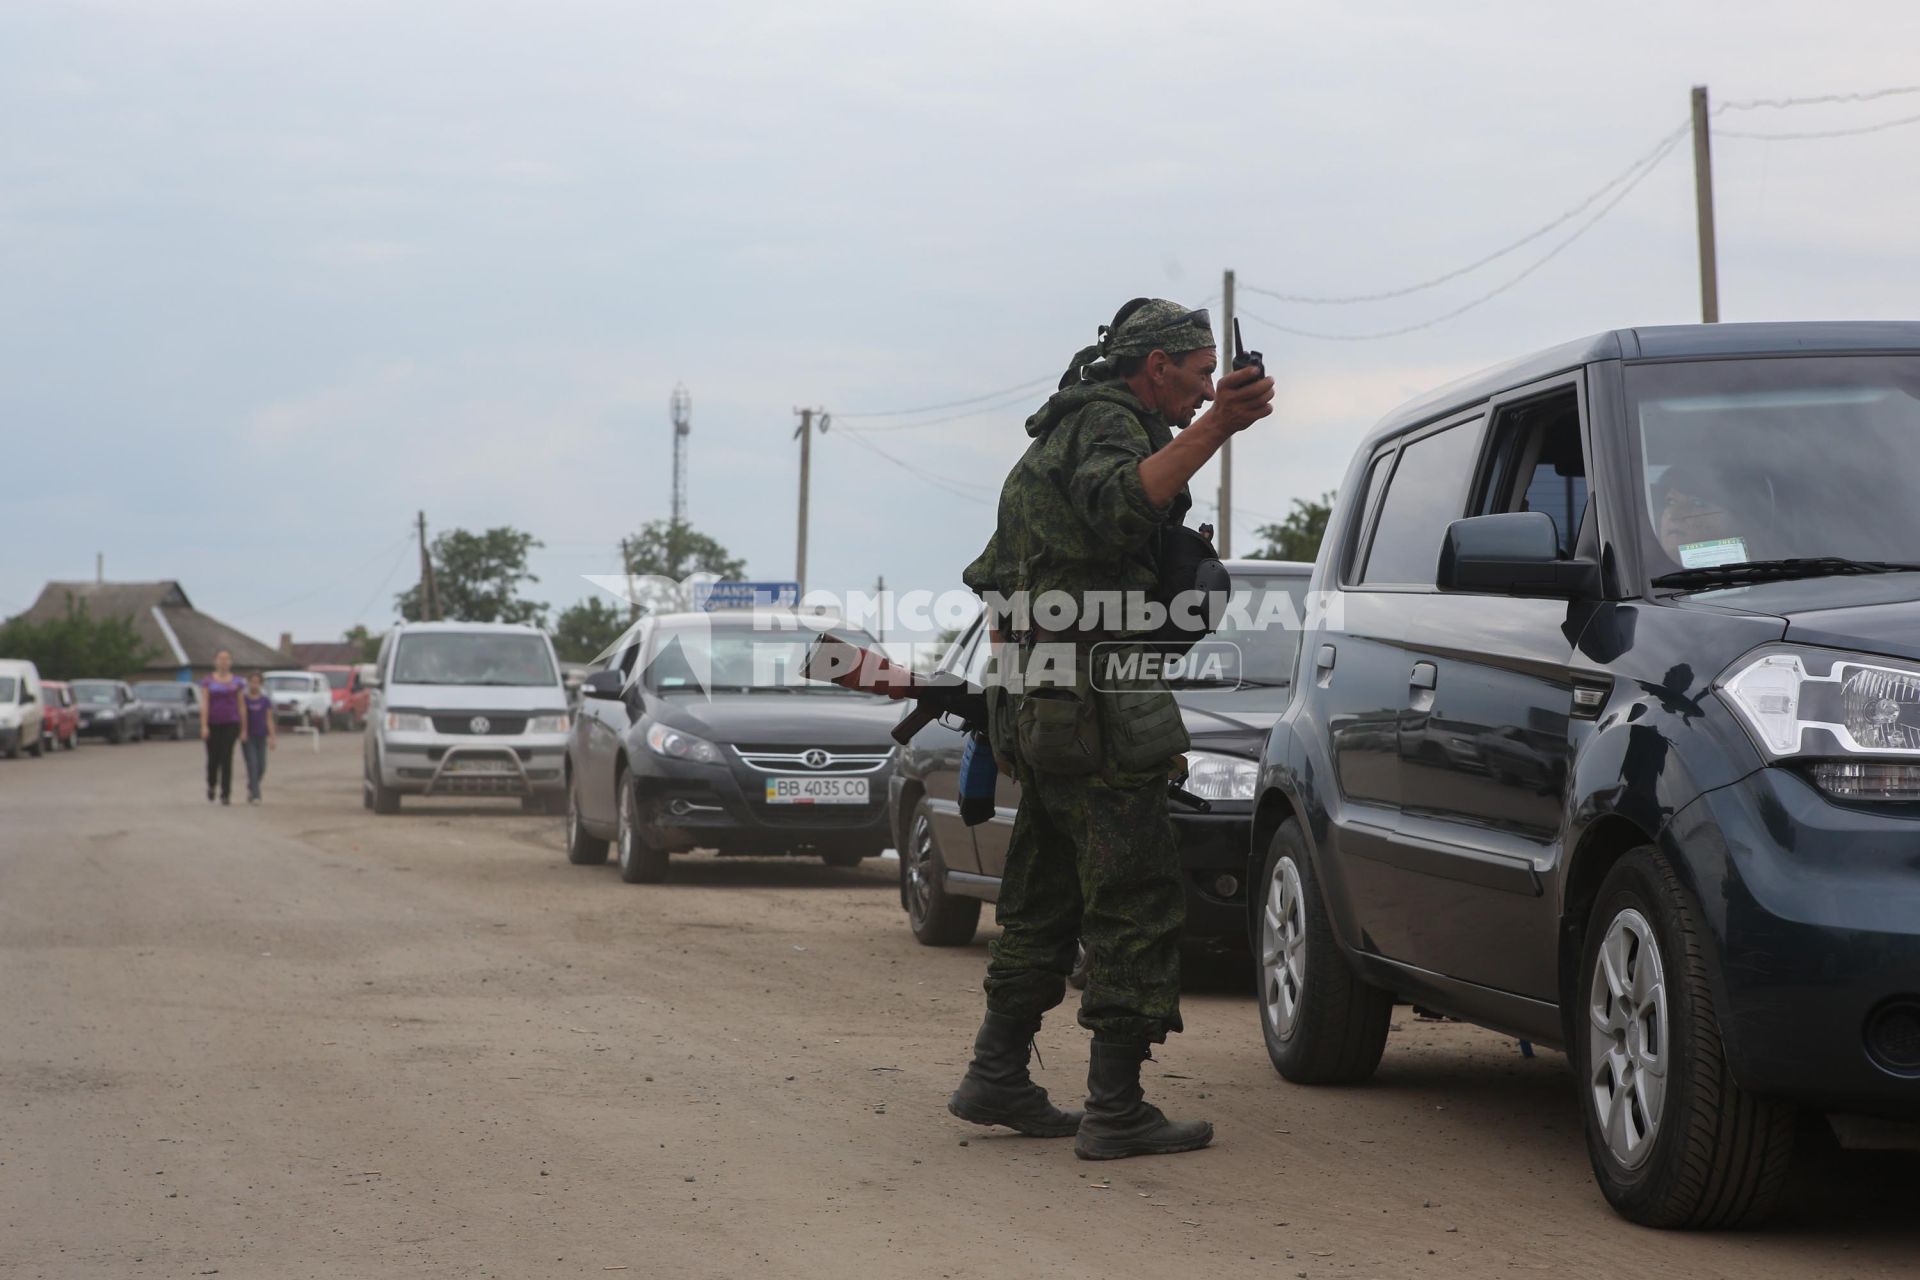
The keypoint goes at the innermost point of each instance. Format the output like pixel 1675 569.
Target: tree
pixel 586 630
pixel 1298 536
pixel 674 550
pixel 77 645
pixel 368 641
pixel 477 577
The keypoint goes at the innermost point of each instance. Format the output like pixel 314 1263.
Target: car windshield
pixel 1775 459
pixel 1262 624
pixel 337 679
pixel 730 658
pixel 95 694
pixel 290 684
pixel 159 692
pixel 474 657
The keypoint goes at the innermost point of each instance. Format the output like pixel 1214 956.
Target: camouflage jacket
pixel 1073 514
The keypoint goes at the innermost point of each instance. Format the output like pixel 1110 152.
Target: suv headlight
pixel 675 745
pixel 555 723
pixel 1804 704
pixel 409 722
pixel 1216 777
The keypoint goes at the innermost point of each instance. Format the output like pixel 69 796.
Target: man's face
pixel 1687 518
pixel 1183 383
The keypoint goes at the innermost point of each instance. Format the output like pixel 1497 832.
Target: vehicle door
pixel 992 837
pixel 936 750
pixel 1485 742
pixel 1358 665
pixel 604 725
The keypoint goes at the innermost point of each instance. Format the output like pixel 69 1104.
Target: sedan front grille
pixel 812 760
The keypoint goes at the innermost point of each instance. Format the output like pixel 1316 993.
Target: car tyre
pixel 37 748
pixel 937 918
pixel 584 849
pixel 641 861
pixel 1673 1140
pixel 382 798
pixel 1322 1023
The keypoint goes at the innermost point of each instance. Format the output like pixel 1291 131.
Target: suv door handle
pixel 1424 675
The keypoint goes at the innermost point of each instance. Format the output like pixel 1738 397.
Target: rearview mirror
pixel 603 684
pixel 1515 553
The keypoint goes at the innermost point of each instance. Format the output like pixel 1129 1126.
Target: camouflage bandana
pixel 1157 325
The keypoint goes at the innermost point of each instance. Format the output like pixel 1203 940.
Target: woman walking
pixel 257 734
pixel 220 724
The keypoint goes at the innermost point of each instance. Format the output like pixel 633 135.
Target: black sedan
pixel 702 733
pixel 172 708
pixel 109 709
pixel 948 869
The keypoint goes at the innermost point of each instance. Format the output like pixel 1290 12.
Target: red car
pixel 59 718
pixel 350 695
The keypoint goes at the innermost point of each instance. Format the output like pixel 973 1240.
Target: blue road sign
pixel 709 596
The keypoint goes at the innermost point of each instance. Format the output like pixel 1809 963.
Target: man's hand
pixel 1240 399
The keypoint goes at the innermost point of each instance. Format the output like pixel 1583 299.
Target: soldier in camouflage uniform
pixel 1093 856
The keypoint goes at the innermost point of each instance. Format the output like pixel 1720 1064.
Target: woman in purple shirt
pixel 220 724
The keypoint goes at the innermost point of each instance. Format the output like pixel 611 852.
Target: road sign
pixel 709 596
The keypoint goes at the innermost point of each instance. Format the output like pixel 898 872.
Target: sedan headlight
pixel 408 722
pixel 1217 777
pixel 1808 703
pixel 556 723
pixel 675 745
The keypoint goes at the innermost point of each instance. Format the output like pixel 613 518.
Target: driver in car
pixel 1689 510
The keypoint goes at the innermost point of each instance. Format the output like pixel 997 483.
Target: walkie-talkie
pixel 1243 357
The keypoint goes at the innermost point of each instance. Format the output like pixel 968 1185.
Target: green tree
pixel 77 645
pixel 478 576
pixel 674 550
pixel 586 630
pixel 368 641
pixel 1298 536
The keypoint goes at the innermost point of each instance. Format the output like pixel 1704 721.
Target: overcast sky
pixel 276 275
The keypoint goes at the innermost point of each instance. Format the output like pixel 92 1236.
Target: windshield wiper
pixel 1778 570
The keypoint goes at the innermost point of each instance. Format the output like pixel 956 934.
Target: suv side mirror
pixel 1514 553
pixel 604 684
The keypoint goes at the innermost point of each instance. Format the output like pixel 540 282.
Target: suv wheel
pixel 1673 1140
pixel 1321 1022
pixel 583 848
pixel 641 861
pixel 938 918
pixel 383 799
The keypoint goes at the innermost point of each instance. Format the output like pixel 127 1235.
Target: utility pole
pixel 626 563
pixel 429 595
pixel 1225 531
pixel 1703 208
pixel 99 566
pixel 880 606
pixel 681 410
pixel 804 433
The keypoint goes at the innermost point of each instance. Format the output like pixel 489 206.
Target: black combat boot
pixel 997 1089
pixel 1119 1121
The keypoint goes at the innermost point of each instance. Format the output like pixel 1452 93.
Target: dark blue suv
pixel 1610 739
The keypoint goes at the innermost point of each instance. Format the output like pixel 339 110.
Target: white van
pixel 466 708
pixel 22 706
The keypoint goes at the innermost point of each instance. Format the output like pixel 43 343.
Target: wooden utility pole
pixel 1225 532
pixel 805 434
pixel 1703 208
pixel 880 607
pixel 429 594
pixel 626 563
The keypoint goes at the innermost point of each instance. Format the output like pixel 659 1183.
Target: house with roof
pixel 181 638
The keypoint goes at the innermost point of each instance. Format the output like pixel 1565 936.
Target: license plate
pixel 479 766
pixel 809 790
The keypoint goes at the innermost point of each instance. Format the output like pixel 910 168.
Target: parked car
pixel 720 743
pixel 300 698
pixel 173 708
pixel 350 694
pixel 948 869
pixel 466 708
pixel 59 721
pixel 1618 747
pixel 109 709
pixel 21 702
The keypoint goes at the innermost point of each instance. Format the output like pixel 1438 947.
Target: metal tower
pixel 681 407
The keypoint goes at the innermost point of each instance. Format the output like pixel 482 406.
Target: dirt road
pixel 300 1040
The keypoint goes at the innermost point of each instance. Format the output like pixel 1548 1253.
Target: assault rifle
pixel 846 664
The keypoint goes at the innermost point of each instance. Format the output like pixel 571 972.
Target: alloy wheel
pixel 920 870
pixel 1627 1046
pixel 1283 948
pixel 629 823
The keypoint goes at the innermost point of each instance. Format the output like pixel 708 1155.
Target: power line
pixel 1649 163
pixel 943 483
pixel 940 422
pixel 1338 300
pixel 950 404
pixel 1825 99
pixel 331 582
pixel 387 581
pixel 1817 133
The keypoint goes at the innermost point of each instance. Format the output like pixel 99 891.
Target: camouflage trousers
pixel 1098 864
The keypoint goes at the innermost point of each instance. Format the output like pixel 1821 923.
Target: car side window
pixel 1426 493
pixel 1356 546
pixel 1537 464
